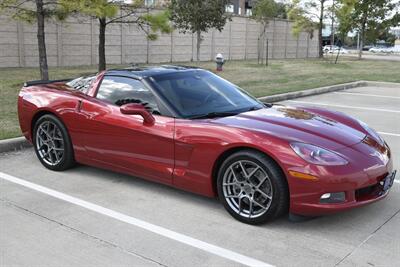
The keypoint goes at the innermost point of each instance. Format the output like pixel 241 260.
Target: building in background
pixel 241 7
pixel 157 3
pixel 395 31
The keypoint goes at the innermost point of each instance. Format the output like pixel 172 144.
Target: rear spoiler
pixel 31 83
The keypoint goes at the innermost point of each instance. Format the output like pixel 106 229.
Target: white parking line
pixel 397 181
pixel 213 249
pixel 390 134
pixel 343 106
pixel 362 94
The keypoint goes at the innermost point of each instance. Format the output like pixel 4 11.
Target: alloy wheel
pixel 50 143
pixel 247 189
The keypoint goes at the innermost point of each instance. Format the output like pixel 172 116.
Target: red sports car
pixel 191 129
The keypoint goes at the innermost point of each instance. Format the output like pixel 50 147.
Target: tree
pixel 307 16
pixel 343 15
pixel 196 16
pixel 282 10
pixel 370 15
pixel 39 11
pixel 263 12
pixel 117 11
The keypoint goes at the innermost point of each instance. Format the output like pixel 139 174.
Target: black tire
pixel 63 162
pixel 279 202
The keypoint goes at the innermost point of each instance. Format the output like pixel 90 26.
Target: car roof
pixel 143 72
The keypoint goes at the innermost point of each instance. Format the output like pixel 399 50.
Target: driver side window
pixel 119 90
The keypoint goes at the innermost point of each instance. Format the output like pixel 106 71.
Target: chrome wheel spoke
pixel 243 169
pixel 263 194
pixel 48 155
pixel 262 181
pixel 240 204
pixel 258 204
pixel 41 139
pixel 253 172
pixel 250 208
pixel 233 173
pixel 230 184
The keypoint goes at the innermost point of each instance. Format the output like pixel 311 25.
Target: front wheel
pixel 52 144
pixel 252 187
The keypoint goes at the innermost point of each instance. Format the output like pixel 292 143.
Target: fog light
pixel 338 197
pixel 325 196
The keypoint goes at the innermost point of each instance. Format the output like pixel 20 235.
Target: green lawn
pixel 281 76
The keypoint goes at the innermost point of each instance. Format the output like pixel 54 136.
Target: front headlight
pixel 372 133
pixel 317 155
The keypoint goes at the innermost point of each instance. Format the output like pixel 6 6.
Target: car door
pixel 123 141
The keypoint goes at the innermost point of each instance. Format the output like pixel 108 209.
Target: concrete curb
pixel 19 143
pixel 310 92
pixel 13 144
pixel 384 84
pixel 325 89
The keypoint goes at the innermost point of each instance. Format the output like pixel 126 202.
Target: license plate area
pixel 388 181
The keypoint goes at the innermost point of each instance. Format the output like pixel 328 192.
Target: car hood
pixel 296 124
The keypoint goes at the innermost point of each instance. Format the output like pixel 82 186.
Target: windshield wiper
pixel 253 109
pixel 268 105
pixel 214 115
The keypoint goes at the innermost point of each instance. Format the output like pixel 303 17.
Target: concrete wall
pixel 74 42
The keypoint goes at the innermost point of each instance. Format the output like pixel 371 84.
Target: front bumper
pixel 362 181
pixel 311 205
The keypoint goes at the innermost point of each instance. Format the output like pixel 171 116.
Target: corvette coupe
pixel 188 128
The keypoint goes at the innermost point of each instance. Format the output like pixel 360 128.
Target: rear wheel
pixel 252 187
pixel 52 144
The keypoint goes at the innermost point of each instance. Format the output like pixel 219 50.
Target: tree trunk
pixel 362 40
pixel 198 33
pixel 102 44
pixel 320 28
pixel 333 25
pixel 44 69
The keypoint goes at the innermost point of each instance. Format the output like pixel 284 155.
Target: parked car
pixel 367 47
pixel 328 48
pixel 378 49
pixel 190 129
pixel 338 50
pixel 390 50
pixel 334 49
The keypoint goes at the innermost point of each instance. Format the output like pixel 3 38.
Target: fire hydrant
pixel 219 59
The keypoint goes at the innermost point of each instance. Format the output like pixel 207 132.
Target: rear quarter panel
pixel 56 99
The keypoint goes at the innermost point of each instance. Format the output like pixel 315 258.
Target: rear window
pixel 82 84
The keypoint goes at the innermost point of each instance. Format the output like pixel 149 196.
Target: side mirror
pixel 138 109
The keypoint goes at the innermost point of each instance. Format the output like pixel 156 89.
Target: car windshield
pixel 199 93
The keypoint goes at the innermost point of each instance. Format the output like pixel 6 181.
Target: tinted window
pixel 196 93
pixel 82 83
pixel 122 90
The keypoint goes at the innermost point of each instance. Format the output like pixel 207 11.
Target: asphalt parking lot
pixel 93 217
